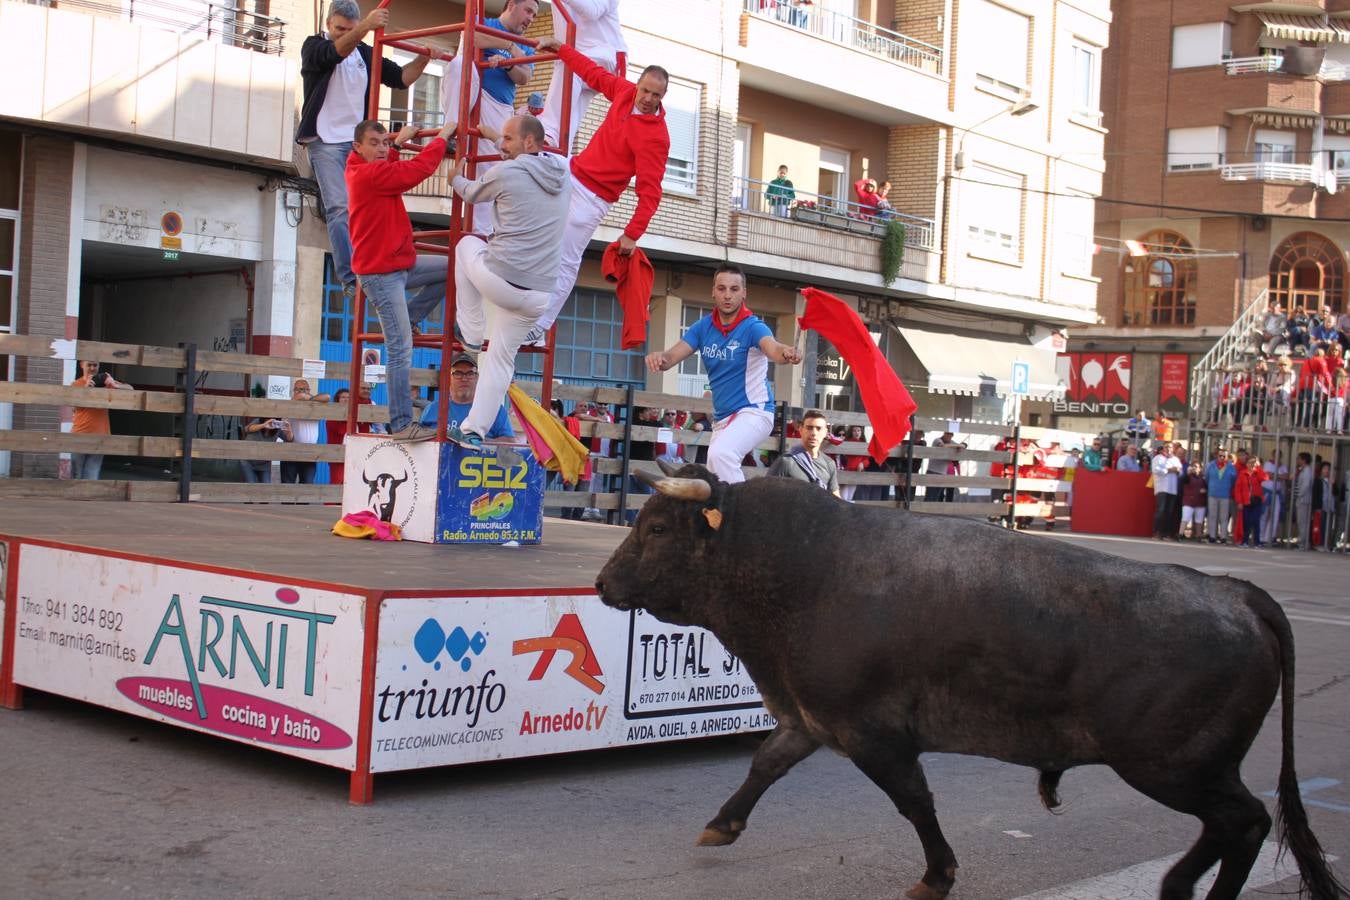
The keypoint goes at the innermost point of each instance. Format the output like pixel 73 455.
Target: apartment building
pixel 160 197
pixel 1227 164
pixel 144 155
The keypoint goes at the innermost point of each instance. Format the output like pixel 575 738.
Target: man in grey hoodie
pixel 515 271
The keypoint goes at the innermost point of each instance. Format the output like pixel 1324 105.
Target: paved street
pixel 97 804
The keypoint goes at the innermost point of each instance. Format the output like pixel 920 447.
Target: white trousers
pixel 582 95
pixel 517 312
pixel 490 112
pixel 732 438
pixel 585 211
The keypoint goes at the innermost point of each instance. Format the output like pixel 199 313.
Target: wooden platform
pixel 296 542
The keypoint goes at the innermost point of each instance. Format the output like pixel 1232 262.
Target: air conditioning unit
pixel 1259 223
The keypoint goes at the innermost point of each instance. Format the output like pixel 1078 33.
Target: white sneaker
pixel 536 337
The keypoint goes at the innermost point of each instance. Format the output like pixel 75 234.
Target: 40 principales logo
pixel 387 470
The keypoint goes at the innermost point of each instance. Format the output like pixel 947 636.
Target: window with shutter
pixel 682 102
pixel 998 39
pixel 992 205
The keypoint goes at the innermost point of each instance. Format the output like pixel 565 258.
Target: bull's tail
pixel 1291 819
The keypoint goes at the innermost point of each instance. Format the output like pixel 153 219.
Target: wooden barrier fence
pixel 610 491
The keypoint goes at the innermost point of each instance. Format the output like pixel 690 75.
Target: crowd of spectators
pixel 1295 379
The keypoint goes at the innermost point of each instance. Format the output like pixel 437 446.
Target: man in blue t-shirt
pixel 1220 477
pixel 495 91
pixel 463 383
pixel 737 348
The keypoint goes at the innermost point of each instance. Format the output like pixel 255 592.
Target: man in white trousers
pixel 495 91
pixel 631 145
pixel 516 270
pixel 737 348
pixel 598 37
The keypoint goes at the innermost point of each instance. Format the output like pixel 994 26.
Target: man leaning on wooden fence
pixel 92 420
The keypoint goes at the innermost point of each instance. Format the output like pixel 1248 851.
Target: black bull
pixel 884 635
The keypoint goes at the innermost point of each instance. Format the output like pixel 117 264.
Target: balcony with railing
pixel 851 32
pixel 1264 170
pixel 815 228
pixel 1246 65
pixel 233 24
pixel 828 58
pixel 190 72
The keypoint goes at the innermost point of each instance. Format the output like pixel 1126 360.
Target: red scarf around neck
pixel 741 315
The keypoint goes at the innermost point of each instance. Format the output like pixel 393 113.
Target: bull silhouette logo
pixel 383 494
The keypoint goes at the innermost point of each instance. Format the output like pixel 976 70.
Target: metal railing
pixel 1233 346
pixel 851 32
pixel 234 25
pixel 760 198
pixel 1244 65
pixel 1266 171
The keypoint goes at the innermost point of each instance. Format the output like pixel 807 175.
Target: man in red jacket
pixel 383 256
pixel 631 142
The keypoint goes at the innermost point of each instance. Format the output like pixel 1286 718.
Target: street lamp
pixel 1020 108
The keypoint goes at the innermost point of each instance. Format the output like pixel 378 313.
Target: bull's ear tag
pixel 714 517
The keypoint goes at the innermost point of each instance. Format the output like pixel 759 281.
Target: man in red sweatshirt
pixel 631 142
pixel 383 257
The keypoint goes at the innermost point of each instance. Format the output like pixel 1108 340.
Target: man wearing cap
pixel 534 106
pixel 463 385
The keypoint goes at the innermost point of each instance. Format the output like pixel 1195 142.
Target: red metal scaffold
pixel 461 219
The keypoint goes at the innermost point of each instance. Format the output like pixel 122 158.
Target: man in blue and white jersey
pixel 737 348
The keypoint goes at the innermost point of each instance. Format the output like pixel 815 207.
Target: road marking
pixel 1141 882
pixel 1310 785
pixel 1017 834
pixel 1320 620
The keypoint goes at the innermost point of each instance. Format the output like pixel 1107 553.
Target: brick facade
pixel 912 167
pixel 44 254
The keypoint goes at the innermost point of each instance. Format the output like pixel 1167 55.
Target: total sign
pixel 470 679
pixel 247 659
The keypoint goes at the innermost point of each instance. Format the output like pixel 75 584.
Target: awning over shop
pixel 962 364
pixel 1289 26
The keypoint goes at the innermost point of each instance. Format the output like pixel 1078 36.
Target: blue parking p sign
pixel 1021 379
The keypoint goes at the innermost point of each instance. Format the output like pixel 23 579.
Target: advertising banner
pixel 1098 383
pixel 247 659
pixel 483 501
pixel 468 679
pixel 395 481
pixel 1174 390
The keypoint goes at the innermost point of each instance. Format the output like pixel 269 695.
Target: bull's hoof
pixel 714 836
pixel 923 891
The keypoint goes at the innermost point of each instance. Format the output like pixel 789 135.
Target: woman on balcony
pixel 868 198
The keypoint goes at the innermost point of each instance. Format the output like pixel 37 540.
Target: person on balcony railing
pixel 599 38
pixel 868 198
pixel 780 193
pixel 737 348
pixel 631 143
pixel 884 208
pixel 495 90
pixel 384 258
pixel 336 84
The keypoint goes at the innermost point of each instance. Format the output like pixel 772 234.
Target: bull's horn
pixel 680 488
pixel 668 467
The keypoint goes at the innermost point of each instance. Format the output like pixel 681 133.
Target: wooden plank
pixel 65 395
pixel 222 492
pixel 68 442
pixel 58 348
pixel 51 488
pixel 216 449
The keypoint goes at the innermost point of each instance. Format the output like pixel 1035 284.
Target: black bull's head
pixel 383 491
pixel 651 568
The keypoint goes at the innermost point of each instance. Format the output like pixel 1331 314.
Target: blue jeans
pixel 86 466
pixel 398 312
pixel 261 474
pixel 329 162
